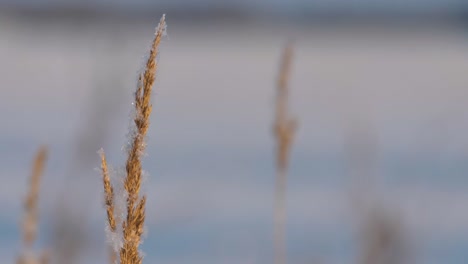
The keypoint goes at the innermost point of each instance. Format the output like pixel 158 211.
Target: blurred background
pixel 379 162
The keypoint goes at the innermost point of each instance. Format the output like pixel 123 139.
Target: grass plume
pixel 284 130
pixel 109 202
pixel 108 192
pixel 133 223
pixel 30 221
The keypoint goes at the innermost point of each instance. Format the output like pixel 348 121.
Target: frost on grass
pixel 128 205
pixel 141 253
pixel 116 177
pixel 160 32
pixel 120 211
pixel 116 239
pixel 162 29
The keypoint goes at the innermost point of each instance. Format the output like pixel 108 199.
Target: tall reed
pixel 132 225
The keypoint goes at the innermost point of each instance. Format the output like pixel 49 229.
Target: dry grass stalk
pixel 109 202
pixel 135 205
pixel 284 130
pixel 30 221
pixel 108 193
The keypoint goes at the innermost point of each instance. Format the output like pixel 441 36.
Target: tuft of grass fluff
pixel 30 221
pixel 133 222
pixel 284 129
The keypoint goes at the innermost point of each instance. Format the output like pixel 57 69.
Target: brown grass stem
pixel 284 129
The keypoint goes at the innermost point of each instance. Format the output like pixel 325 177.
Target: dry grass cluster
pixel 132 225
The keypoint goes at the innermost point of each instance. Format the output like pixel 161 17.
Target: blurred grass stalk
pixel 380 230
pixel 29 225
pixel 284 129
